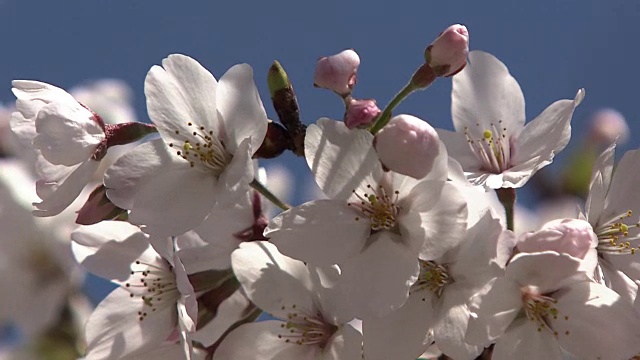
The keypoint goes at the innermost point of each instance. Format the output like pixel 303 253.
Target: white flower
pixel 311 326
pixel 438 299
pixel 375 224
pixel 154 299
pixel 491 141
pixel 68 139
pixel 209 130
pixel 613 210
pixel 544 305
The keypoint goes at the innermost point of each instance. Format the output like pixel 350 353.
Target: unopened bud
pixel 285 103
pixel 408 145
pixel 607 126
pixel 337 72
pixel 566 236
pixel 361 113
pixel 447 54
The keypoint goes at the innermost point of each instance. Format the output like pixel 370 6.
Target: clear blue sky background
pixel 552 48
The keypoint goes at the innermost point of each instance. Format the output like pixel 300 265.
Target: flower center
pixel 378 206
pixel 613 235
pixel 493 149
pixel 433 277
pixel 203 150
pixel 306 328
pixel 154 284
pixel 541 309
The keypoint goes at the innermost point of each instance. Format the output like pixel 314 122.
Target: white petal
pixel 114 330
pixel 178 93
pixel 599 184
pixel 234 181
pixel 547 134
pixel 458 148
pixel 548 271
pixel 242 111
pixel 515 176
pixel 63 191
pixel 485 250
pixel 175 201
pixel 131 171
pixel 377 281
pixel 484 93
pixel 260 340
pixel 66 135
pixel 270 280
pixel 493 312
pixel 322 232
pixel 39 91
pixel 619 272
pixel 450 333
pixel 595 323
pixel 622 195
pixel 401 334
pixel 341 159
pixel 523 341
pixel 437 219
pixel 22 122
pixel 108 248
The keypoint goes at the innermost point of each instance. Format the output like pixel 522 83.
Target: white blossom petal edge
pixel 491 142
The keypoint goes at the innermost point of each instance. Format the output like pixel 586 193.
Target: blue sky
pixel 552 48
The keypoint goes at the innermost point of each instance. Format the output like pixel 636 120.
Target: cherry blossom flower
pixel 544 306
pixel 154 301
pixel 65 135
pixel 311 326
pixel 491 141
pixel 209 131
pixel 437 305
pixel 613 210
pixel 374 224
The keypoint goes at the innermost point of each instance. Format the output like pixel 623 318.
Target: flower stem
pixel 259 187
pixel 386 113
pixel 507 197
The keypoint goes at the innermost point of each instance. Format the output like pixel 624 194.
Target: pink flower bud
pixel 337 72
pixel 447 55
pixel 566 236
pixel 361 113
pixel 607 126
pixel 408 145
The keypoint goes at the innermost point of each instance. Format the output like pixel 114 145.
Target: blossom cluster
pixel 411 250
